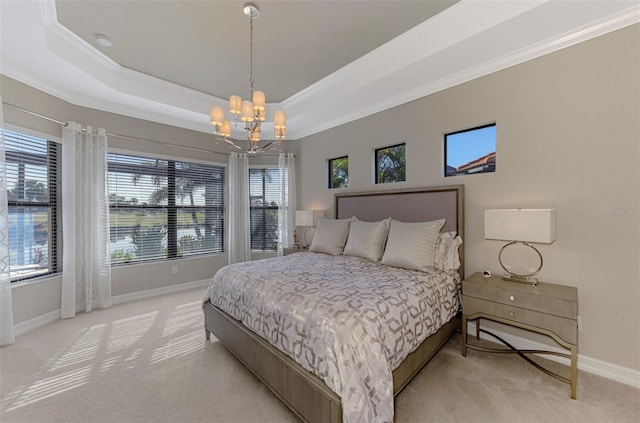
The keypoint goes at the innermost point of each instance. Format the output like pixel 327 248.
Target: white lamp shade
pixel 258 100
pixel 304 217
pixel 529 225
pixel 235 104
pixel 217 116
pixel 225 129
pixel 247 111
pixel 279 119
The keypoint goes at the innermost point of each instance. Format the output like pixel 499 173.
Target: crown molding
pixel 586 32
pixel 63 65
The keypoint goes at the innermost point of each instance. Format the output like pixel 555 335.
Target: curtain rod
pixel 111 134
pixel 20 109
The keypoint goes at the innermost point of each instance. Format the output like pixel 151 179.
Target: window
pixel 391 164
pixel 470 151
pixel 33 193
pixel 162 209
pixel 339 172
pixel 264 199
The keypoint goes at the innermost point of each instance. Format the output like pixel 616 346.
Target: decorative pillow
pixel 366 239
pixel 330 236
pixel 412 245
pixel 447 257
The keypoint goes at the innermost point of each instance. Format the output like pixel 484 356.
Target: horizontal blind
pixel 264 201
pixel 199 197
pixel 164 208
pixel 33 193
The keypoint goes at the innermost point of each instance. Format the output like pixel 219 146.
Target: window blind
pixel 264 185
pixel 164 208
pixel 33 194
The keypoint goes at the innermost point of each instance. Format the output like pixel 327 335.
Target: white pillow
pixel 330 236
pixel 447 256
pixel 412 245
pixel 366 239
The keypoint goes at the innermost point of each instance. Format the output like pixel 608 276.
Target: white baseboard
pixel 31 324
pixel 590 365
pixel 149 293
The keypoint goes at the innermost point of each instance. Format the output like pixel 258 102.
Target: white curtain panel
pixel 239 233
pixel 86 274
pixel 6 309
pixel 287 203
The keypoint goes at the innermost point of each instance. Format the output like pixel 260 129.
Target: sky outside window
pixel 471 151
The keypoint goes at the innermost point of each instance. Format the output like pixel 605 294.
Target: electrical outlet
pixel 174 270
pixel 579 322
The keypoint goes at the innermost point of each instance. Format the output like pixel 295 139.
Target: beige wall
pixel 567 138
pixel 33 299
pixel 568 134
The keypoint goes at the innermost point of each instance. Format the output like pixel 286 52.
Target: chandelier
pixel 252 113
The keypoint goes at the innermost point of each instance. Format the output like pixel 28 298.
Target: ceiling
pixel 324 62
pixel 204 45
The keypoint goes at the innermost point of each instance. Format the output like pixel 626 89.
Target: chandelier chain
pixel 251 56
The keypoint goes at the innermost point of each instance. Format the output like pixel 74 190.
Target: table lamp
pixel 524 226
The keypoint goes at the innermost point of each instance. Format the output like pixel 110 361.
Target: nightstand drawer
pixel 564 328
pixel 547 298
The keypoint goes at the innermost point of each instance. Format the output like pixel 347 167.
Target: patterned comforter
pixel 349 321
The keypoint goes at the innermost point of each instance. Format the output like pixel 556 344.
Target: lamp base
pixel 514 277
pixel 520 279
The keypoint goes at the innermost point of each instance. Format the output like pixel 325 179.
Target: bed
pixel 297 382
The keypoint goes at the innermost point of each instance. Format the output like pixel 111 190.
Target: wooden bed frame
pixel 303 392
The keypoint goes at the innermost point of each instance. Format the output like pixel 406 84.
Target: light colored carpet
pixel 148 361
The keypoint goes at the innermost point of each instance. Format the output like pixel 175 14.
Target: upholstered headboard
pixel 408 205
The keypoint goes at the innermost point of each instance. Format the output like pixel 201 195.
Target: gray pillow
pixel 412 245
pixel 330 236
pixel 367 239
pixel 447 257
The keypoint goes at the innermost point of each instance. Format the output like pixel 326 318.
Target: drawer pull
pixel 511 314
pixel 512 298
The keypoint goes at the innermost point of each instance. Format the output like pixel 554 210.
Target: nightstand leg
pixel 464 335
pixel 477 328
pixel 574 370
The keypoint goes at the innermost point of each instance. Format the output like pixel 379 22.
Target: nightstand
pixel 291 250
pixel 545 308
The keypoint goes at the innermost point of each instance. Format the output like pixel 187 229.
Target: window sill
pixel 33 281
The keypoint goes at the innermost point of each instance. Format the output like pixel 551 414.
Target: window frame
pixel 173 209
pixel 462 131
pixel 330 172
pixel 53 161
pixel 376 164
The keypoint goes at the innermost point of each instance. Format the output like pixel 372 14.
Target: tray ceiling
pixel 324 62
